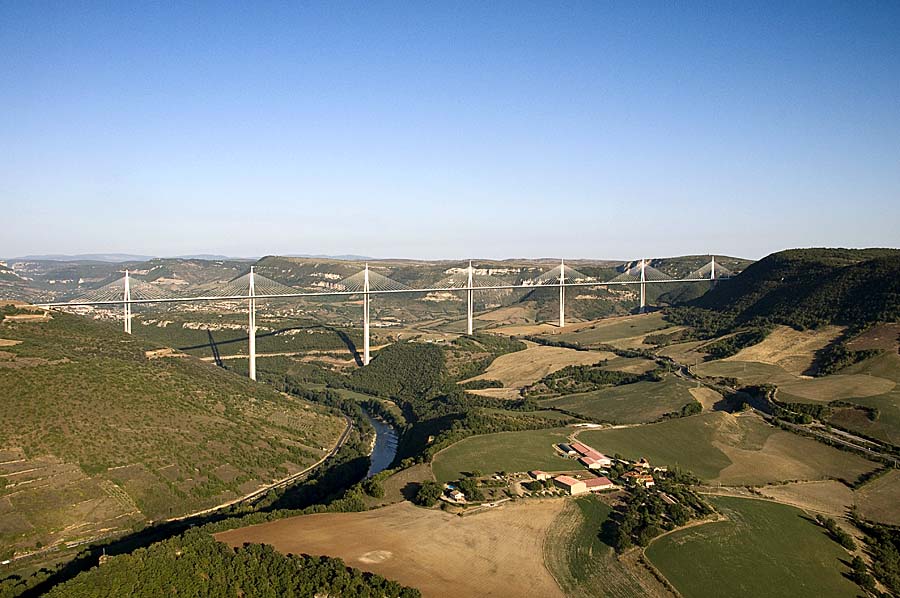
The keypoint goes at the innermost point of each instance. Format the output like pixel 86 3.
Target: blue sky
pixel 450 130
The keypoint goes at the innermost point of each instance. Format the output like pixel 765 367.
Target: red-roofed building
pixel 588 452
pixel 540 475
pixel 598 484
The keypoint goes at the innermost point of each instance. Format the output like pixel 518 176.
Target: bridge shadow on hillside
pixel 213 344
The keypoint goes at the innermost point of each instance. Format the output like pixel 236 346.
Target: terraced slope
pixel 95 437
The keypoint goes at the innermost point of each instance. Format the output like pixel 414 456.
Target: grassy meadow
pixel 763 549
pixel 629 403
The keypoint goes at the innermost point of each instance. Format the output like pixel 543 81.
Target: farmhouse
pixel 455 495
pixel 590 463
pixel 598 484
pixel 596 456
pixel 638 478
pixel 540 475
pixel 570 484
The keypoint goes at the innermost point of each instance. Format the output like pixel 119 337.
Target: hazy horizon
pixel 447 132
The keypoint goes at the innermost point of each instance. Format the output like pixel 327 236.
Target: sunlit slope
pixel 95 437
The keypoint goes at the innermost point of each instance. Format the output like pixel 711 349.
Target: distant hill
pixel 96 436
pixel 812 287
pixel 83 257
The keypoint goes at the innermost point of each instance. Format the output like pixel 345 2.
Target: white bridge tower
pixel 562 293
pixel 127 300
pixel 643 284
pixel 251 294
pixel 366 316
pixel 470 302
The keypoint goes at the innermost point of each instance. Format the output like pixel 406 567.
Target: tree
pixel 428 494
pixel 373 488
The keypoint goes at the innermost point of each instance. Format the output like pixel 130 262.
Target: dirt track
pixel 494 553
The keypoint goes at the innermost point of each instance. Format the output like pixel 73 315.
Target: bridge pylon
pixel 127 303
pixel 562 293
pixel 643 284
pixel 251 300
pixel 470 301
pixel 366 316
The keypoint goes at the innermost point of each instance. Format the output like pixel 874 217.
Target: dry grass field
pixel 880 499
pixel 705 396
pixel 685 353
pixel 883 336
pixel 793 388
pixel 826 496
pixel 622 331
pixel 498 552
pixel 792 350
pixel 519 369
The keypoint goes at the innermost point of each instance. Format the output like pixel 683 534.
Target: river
pixel 385 448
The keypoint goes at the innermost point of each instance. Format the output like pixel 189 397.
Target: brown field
pixel 883 336
pixel 827 496
pixel 514 314
pixel 5 342
pixel 519 369
pixel 879 500
pixel 793 388
pixel 498 393
pixel 684 353
pixel 494 553
pixel 706 397
pixel 792 350
pixel 632 365
pixel 784 456
pixel 544 328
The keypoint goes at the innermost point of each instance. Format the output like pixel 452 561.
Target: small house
pixel 539 475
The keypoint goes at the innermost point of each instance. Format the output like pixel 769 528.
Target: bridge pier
pixel 470 302
pixel 127 303
pixel 252 325
pixel 366 316
pixel 643 285
pixel 562 293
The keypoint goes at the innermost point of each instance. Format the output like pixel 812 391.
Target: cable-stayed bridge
pixel 251 287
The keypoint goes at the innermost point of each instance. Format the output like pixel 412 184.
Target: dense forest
pixel 195 564
pixel 803 288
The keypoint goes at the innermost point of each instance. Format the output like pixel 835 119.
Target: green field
pixel 729 449
pixel 504 451
pixel 630 403
pixel 584 566
pixel 764 549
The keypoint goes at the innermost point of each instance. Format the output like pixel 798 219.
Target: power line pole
pixel 251 294
pixel 562 293
pixel 366 316
pixel 127 300
pixel 470 302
